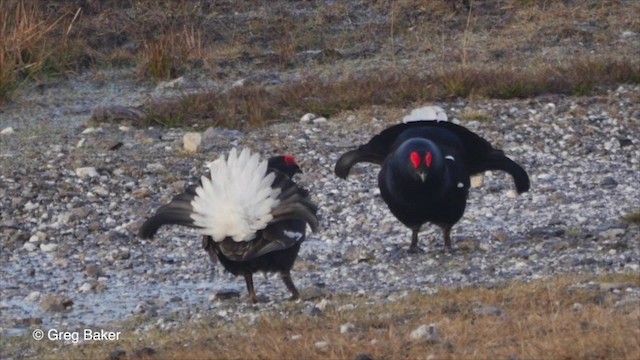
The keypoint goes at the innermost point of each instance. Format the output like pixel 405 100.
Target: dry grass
pixel 253 105
pixel 32 43
pixel 562 318
pixel 417 50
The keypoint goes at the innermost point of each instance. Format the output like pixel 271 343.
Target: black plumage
pixel 425 171
pixel 274 247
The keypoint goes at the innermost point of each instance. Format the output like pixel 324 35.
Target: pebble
pixel 7 131
pixel 191 142
pixel 425 332
pixel 307 117
pixel 86 172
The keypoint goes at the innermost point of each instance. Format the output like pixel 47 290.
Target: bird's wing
pixel 176 212
pixel 277 236
pixel 381 145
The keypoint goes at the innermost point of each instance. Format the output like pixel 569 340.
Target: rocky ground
pixel 73 195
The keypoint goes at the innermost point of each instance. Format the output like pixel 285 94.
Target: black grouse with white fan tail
pixel 426 164
pixel 252 216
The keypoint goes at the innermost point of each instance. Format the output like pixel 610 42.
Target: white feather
pixel 428 113
pixel 237 200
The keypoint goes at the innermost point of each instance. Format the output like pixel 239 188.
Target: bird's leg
pixel 446 231
pixel 286 277
pixel 413 249
pixel 248 278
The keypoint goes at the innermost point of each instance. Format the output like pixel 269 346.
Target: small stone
pixel 307 117
pixel 322 345
pixel 56 303
pixel 7 131
pixel 612 233
pixel 155 167
pixel 512 194
pixel 296 337
pixel 191 142
pixel 577 307
pixel 477 181
pixel 141 193
pixel 101 191
pixel 85 172
pixel 608 182
pixel 29 246
pixel 425 332
pixel 93 271
pixel 33 296
pixel 89 130
pixel 49 247
pixel 347 328
pixel 86 287
pixel 320 120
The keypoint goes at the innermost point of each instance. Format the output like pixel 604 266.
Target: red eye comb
pixel 290 160
pixel 428 158
pixel 415 159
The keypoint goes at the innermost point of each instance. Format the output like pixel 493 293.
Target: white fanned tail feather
pixel 429 113
pixel 237 200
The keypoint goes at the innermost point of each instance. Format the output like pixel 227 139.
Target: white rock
pixel 124 128
pixel 48 247
pixel 155 167
pixel 477 181
pixel 86 287
pixel 347 328
pixel 321 345
pixel 425 332
pixel 34 239
pixel 320 120
pixel 192 141
pixel 33 296
pixel 89 130
pixel 512 194
pixel 7 131
pixel 29 246
pixel 101 191
pixel 296 337
pixel 85 172
pixel 307 117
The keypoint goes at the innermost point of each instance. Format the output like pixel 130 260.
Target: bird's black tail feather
pixel 177 212
pixel 496 160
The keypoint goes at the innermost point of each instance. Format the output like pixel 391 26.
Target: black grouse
pixel 251 214
pixel 426 167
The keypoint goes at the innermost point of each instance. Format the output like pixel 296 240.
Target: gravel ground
pixel 70 257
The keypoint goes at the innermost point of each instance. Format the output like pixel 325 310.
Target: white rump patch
pixel 427 113
pixel 449 157
pixel 237 200
pixel 293 235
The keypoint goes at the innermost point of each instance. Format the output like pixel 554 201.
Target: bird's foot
pixel 416 250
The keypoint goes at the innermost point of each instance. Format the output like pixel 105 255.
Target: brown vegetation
pixel 347 55
pixel 564 318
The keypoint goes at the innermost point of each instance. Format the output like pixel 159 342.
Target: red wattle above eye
pixel 289 160
pixel 428 158
pixel 415 159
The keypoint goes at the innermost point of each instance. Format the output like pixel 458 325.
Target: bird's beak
pixel 422 175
